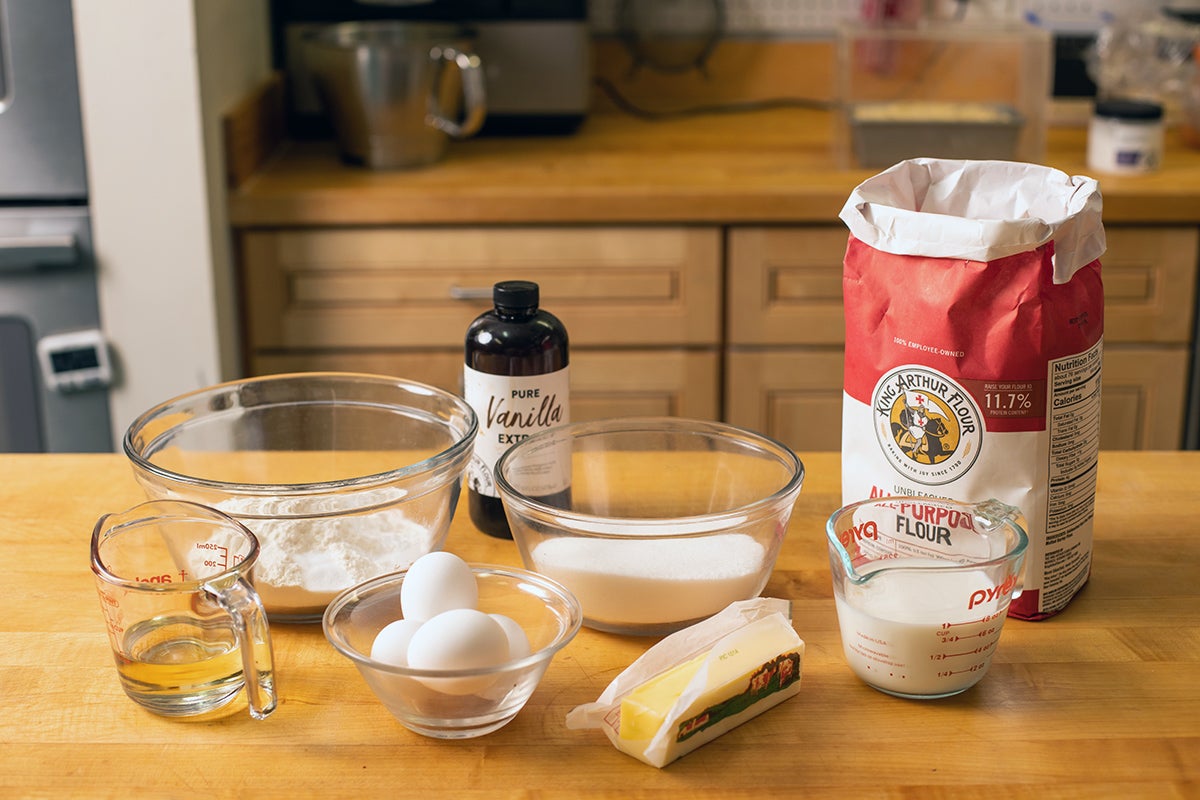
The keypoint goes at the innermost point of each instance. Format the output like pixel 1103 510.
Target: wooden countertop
pixel 1103 700
pixel 770 166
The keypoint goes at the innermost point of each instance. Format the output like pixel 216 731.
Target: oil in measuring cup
pixel 188 632
pixel 180 664
pixel 922 588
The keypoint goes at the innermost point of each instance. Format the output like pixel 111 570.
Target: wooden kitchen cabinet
pixel 786 333
pixel 661 324
pixel 641 305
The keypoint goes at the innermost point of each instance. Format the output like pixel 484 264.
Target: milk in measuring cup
pixel 908 634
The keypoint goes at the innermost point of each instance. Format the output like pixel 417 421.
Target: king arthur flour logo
pixel 927 425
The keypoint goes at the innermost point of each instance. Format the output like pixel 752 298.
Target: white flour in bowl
pixel 651 582
pixel 305 562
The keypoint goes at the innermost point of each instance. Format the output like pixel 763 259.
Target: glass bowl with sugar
pixel 653 523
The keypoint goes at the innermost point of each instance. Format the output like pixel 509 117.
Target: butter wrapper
pixel 700 682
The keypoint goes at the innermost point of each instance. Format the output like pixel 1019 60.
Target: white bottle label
pixel 511 408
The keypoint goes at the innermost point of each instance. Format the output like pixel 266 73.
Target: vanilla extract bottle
pixel 515 377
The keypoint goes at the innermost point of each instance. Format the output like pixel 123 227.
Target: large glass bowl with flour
pixel 342 476
pixel 664 521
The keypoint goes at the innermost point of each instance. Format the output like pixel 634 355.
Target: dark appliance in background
pixel 54 360
pixel 536 56
pixel 1071 78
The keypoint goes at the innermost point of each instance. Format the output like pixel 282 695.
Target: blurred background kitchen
pixel 123 278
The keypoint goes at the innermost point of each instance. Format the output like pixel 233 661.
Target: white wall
pixel 155 77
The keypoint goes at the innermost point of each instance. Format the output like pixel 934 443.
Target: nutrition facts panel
pixel 1073 423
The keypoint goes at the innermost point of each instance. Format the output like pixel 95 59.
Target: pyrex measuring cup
pixel 922 587
pixel 187 629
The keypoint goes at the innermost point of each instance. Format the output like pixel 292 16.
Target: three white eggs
pixel 443 630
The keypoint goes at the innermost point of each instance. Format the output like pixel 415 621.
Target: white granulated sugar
pixel 304 562
pixel 658 581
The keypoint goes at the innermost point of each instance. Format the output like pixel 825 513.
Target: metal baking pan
pixel 883 133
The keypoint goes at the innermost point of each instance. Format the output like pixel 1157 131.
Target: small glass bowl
pixel 653 523
pixel 547 612
pixel 341 476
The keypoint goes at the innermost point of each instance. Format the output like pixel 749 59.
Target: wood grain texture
pixel 1101 701
pixel 769 166
pixel 373 288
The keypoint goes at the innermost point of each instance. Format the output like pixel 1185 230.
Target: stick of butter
pixel 699 683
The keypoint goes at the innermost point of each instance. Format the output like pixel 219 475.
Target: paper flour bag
pixel 974 320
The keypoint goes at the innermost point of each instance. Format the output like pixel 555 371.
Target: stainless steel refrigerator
pixel 55 365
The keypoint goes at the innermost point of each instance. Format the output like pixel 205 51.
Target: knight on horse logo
pixel 921 428
pixel 929 427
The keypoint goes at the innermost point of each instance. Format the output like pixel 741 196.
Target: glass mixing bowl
pixel 663 521
pixel 341 476
pixel 547 613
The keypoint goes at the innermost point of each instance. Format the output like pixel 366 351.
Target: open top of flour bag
pixel 978 210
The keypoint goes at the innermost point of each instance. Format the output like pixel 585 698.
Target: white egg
pixel 518 642
pixel 437 582
pixel 391 643
pixel 462 638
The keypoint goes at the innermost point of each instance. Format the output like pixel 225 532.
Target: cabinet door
pixel 1142 397
pixel 794 395
pixel 420 287
pixel 604 383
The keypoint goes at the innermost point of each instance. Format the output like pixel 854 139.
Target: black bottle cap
pixel 1137 110
pixel 515 295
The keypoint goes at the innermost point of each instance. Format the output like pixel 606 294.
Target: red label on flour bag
pixel 974 320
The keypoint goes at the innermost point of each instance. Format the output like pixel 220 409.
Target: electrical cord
pixel 631 108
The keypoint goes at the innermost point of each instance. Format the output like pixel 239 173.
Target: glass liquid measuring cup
pixel 187 629
pixel 922 587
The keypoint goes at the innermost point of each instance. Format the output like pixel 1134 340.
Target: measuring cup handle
pixel 241 602
pixel 992 513
pixel 474 94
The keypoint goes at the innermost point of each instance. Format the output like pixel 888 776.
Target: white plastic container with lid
pixel 1125 136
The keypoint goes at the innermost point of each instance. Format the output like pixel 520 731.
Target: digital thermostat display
pixel 75 360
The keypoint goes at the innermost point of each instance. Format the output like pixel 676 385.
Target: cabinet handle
pixel 470 292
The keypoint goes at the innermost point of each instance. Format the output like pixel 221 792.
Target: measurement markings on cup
pixel 981 650
pixel 977 651
pixel 219 558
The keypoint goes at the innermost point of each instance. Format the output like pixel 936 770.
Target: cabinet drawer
pixel 331 288
pixel 604 383
pixel 1149 283
pixel 785 284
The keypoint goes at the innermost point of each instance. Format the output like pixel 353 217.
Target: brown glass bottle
pixel 516 366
